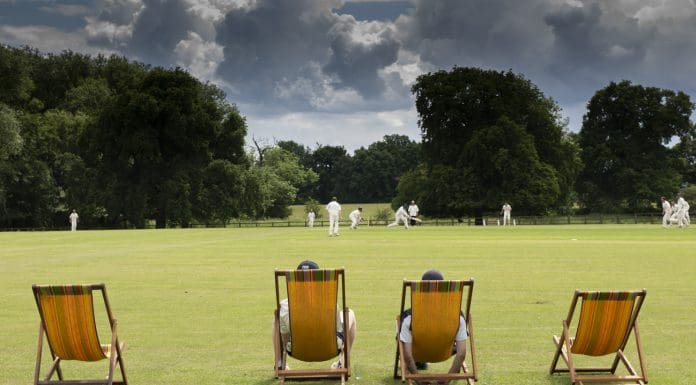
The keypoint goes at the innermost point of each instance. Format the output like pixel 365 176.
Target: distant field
pixel 195 305
pixel 369 210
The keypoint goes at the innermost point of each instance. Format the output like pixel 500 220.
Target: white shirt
pixel 666 208
pixel 333 207
pixel 354 215
pixel 507 208
pixel 413 210
pixel 401 213
pixel 311 215
pixel 73 218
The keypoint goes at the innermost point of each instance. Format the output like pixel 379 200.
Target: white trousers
pixel 333 224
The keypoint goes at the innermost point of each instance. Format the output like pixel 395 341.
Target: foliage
pixel 313 205
pixel 384 214
pixel 490 137
pixel 372 173
pixel 624 139
pixel 157 140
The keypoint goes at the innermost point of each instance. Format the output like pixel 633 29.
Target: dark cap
pixel 307 265
pixel 432 275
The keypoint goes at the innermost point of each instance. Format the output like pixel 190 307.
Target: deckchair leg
pixel 120 346
pixel 398 351
pixel 38 354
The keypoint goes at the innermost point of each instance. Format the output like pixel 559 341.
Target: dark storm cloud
pixel 488 33
pixel 303 43
pixel 356 63
pixel 595 44
pixel 159 28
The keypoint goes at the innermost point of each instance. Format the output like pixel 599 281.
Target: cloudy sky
pixel 339 72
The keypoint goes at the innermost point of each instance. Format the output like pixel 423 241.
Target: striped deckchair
pixel 605 325
pixel 435 310
pixel 67 320
pixel 312 304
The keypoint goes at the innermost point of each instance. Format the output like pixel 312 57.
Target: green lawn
pixel 195 306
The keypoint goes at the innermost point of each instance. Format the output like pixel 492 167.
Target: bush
pixel 383 215
pixel 313 205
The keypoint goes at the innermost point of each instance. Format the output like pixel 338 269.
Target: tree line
pixel 126 144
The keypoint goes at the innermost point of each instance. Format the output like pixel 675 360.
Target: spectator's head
pixel 432 275
pixel 307 265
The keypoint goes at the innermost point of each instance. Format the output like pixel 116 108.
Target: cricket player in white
pixel 74 218
pixel 334 210
pixel 506 213
pixel 355 218
pixel 310 218
pixel 413 212
pixel 400 216
pixel 681 209
pixel 666 213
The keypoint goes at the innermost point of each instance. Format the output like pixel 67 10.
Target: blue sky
pixel 338 72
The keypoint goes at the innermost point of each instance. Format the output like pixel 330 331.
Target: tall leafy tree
pixel 490 137
pixel 152 143
pixel 16 84
pixel 328 162
pixel 373 173
pixel 625 140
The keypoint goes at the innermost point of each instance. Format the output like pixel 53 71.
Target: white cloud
pixel 199 57
pixel 47 39
pixel 350 130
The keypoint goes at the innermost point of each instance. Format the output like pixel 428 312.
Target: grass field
pixel 195 306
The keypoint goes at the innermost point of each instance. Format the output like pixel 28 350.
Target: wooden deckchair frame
pixel 564 345
pixel 115 347
pixel 400 370
pixel 282 373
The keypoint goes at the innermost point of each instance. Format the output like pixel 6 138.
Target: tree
pixel 490 137
pixel 624 138
pixel 152 143
pixel 15 79
pixel 276 181
pixel 373 173
pixel 10 145
pixel 328 162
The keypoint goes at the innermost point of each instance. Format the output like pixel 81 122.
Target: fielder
pixel 310 218
pixel 73 218
pixel 334 210
pixel 666 213
pixel 355 218
pixel 506 213
pixel 400 216
pixel 413 212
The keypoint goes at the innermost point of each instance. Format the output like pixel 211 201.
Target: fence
pixel 490 220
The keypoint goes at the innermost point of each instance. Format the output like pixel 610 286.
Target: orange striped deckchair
pixel 312 304
pixel 67 320
pixel 435 310
pixel 605 325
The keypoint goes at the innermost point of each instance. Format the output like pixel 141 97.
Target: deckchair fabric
pixel 68 314
pixel 606 322
pixel 313 308
pixel 312 296
pixel 68 322
pixel 433 335
pixel 436 307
